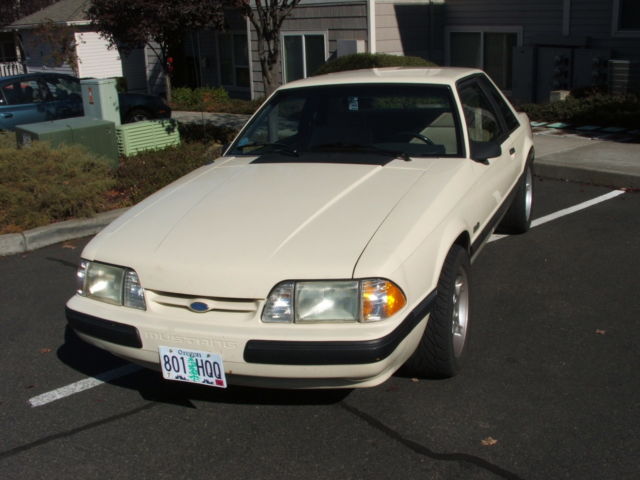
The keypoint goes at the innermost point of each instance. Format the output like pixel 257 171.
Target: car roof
pixel 437 76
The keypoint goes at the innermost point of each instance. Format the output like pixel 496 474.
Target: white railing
pixel 11 68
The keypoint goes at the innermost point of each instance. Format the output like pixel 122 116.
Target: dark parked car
pixel 38 97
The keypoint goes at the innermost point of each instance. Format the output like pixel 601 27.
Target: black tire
pixel 137 115
pixel 440 351
pixel 518 217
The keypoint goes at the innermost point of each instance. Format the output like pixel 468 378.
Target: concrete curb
pixel 586 175
pixel 29 240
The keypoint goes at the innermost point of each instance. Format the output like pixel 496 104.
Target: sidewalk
pixel 559 154
pixel 568 156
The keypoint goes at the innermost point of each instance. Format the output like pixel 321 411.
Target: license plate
pixel 192 366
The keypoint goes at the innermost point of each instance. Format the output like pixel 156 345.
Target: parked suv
pixel 38 97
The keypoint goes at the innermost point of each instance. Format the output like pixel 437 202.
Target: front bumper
pixel 259 356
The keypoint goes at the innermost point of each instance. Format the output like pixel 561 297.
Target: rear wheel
pixel 442 346
pixel 518 217
pixel 138 115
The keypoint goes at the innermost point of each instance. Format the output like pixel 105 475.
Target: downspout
pixel 371 24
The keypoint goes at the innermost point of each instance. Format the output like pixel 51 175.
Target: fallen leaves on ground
pixel 600 332
pixel 489 441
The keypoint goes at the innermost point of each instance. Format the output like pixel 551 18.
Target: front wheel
pixel 442 346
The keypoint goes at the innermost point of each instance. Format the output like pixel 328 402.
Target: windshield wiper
pixel 355 147
pixel 276 146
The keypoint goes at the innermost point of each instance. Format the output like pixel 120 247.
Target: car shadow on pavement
pixel 93 362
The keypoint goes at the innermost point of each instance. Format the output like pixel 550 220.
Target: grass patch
pixel 210 100
pixel 7 139
pixel 139 176
pixel 41 185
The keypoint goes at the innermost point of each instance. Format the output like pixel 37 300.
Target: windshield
pixel 396 120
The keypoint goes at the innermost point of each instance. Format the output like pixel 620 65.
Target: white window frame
pixel 235 86
pixel 615 27
pixel 518 30
pixel 302 34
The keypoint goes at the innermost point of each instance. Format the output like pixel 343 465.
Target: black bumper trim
pixel 107 330
pixel 278 352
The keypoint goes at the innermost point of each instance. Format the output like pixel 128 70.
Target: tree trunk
pixel 167 85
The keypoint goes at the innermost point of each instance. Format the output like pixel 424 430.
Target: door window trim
pixel 479 80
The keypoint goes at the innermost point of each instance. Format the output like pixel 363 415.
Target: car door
pixel 496 176
pixel 25 102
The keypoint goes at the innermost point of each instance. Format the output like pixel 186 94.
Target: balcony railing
pixel 11 68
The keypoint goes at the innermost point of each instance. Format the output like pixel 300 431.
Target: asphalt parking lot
pixel 549 391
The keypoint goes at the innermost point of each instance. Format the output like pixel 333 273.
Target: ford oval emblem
pixel 199 307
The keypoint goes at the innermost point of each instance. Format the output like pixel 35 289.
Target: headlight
pixel 110 284
pixel 367 300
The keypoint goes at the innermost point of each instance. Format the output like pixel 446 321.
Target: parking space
pixel 549 387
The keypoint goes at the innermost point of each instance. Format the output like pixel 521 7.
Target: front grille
pixel 213 304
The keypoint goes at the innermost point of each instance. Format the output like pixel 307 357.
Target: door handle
pixel 6 115
pixel 512 151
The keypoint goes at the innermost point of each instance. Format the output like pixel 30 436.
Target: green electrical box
pixel 138 137
pixel 97 136
pixel 100 99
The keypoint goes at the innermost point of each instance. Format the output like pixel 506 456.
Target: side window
pixel 279 124
pixel 62 88
pixel 482 120
pixel 22 93
pixel 509 118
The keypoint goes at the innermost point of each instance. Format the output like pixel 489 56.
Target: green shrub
pixel 41 185
pixel 139 176
pixel 199 98
pixel 359 61
pixel 7 139
pixel 184 98
pixel 211 100
pixel 597 109
pixel 207 133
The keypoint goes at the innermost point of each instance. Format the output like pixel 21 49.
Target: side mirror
pixel 483 151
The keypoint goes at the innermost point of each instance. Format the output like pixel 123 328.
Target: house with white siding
pixel 94 57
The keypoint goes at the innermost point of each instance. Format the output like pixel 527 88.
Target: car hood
pixel 236 228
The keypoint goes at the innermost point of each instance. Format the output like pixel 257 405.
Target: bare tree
pixel 131 24
pixel 267 16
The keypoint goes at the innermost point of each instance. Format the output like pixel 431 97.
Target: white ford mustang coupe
pixel 329 246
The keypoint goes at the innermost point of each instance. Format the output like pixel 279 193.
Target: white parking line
pixel 576 208
pixel 116 373
pixel 81 385
pixel 567 211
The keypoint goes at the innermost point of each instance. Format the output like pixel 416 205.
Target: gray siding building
pixel 529 47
